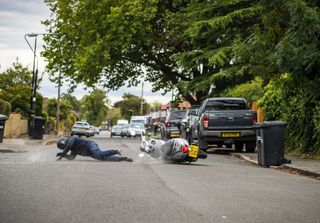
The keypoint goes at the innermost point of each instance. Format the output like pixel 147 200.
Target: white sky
pixel 19 17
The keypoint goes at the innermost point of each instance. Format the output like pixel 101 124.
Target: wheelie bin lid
pixel 270 124
pixel 39 118
pixel 3 117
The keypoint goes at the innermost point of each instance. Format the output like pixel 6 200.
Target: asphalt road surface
pixel 34 187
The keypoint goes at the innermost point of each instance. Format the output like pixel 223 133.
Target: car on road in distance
pixel 124 130
pixel 122 122
pixel 96 130
pixel 82 128
pixel 116 131
pixel 171 127
pixel 136 129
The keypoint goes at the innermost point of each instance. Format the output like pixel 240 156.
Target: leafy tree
pixel 5 107
pixel 131 105
pixel 251 91
pixel 113 115
pixel 15 88
pixel 19 98
pixel 15 75
pixel 72 100
pixel 71 120
pixel 212 31
pixel 155 105
pixel 290 37
pixel 94 106
pixel 117 42
pixel 65 108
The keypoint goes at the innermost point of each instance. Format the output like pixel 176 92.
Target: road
pixel 36 188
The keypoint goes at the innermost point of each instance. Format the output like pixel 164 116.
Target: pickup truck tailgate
pixel 226 119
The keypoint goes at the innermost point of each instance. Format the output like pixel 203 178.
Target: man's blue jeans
pixel 108 155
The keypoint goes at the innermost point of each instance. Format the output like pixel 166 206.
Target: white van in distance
pixel 122 122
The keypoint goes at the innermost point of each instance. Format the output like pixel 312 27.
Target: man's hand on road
pixel 59 155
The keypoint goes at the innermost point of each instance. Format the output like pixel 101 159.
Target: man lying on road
pixel 84 147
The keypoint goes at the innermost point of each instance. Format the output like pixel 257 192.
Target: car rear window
pixel 137 121
pixel 82 124
pixel 137 126
pixel 177 114
pixel 226 105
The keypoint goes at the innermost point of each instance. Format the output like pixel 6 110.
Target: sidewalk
pixel 18 144
pixel 299 166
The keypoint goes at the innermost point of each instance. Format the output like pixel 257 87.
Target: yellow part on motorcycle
pixel 193 151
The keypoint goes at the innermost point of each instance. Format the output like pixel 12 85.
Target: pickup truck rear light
pixel 254 118
pixel 168 124
pixel 205 121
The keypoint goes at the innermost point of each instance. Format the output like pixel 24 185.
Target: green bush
pixel 296 102
pixel 71 120
pixel 251 91
pixel 316 124
pixel 5 107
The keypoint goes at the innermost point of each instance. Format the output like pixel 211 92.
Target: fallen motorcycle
pixel 175 150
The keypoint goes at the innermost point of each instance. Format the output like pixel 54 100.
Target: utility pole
pixel 58 103
pixel 141 107
pixel 170 104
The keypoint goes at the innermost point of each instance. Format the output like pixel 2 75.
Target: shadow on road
pixel 10 151
pixel 220 151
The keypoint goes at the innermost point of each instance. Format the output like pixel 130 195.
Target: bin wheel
pixel 238 146
pixel 250 147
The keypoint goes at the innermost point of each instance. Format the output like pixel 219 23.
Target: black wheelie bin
pixel 271 143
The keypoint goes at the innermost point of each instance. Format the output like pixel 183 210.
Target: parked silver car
pixel 116 131
pixel 82 128
pixel 136 129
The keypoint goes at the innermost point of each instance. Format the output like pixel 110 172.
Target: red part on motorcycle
pixel 185 148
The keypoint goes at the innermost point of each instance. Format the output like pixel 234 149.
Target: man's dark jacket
pixel 77 146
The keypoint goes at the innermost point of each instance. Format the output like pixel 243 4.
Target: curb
pixel 299 171
pixel 285 167
pixel 49 142
pixel 245 158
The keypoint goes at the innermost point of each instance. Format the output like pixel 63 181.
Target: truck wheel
pixel 250 147
pixel 238 146
pixel 219 145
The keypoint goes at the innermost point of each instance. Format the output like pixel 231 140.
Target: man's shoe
pixel 119 151
pixel 129 160
pixel 126 159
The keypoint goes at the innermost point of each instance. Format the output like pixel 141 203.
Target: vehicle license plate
pixel 174 134
pixel 230 134
pixel 193 151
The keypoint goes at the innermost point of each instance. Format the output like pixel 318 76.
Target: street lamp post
pixel 33 84
pixel 34 81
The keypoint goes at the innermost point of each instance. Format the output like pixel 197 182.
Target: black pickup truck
pixel 225 121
